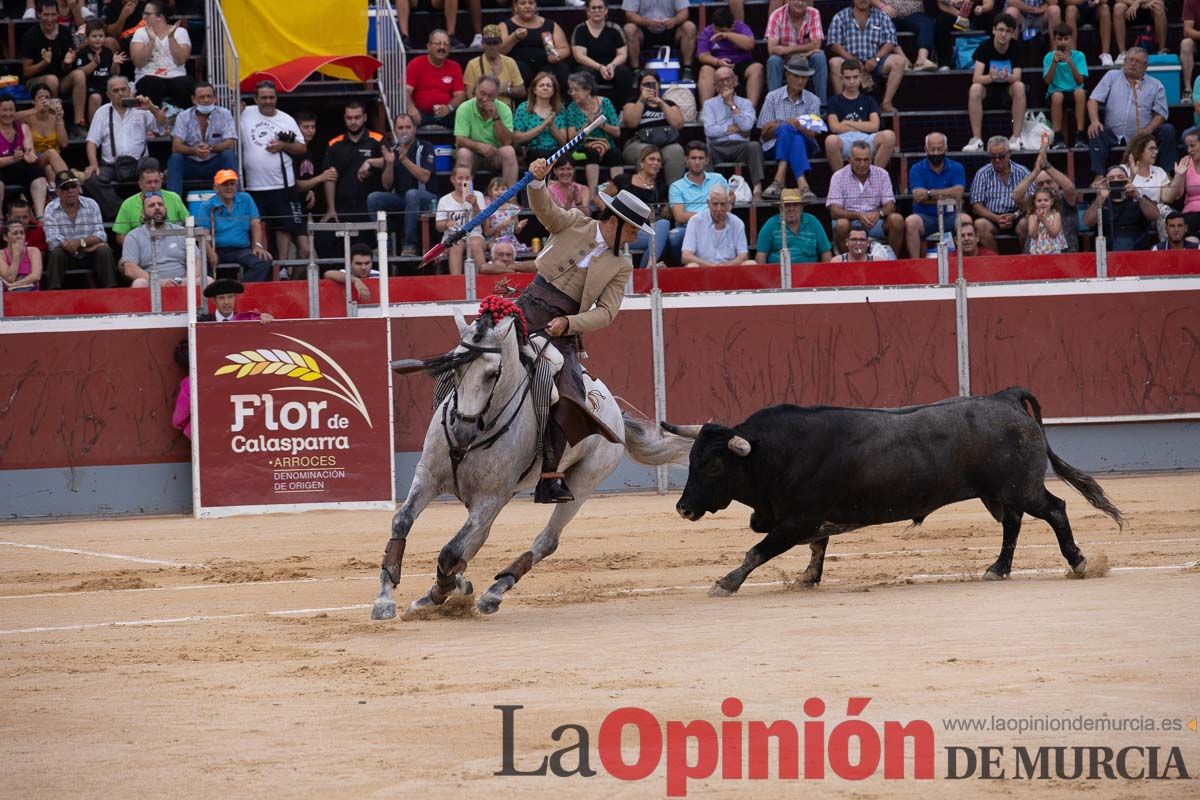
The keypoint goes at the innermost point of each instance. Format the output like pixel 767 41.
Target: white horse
pixel 481 445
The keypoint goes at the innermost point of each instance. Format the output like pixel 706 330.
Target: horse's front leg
pixel 420 494
pixel 452 560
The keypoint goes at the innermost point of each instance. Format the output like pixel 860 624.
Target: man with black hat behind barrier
pixel 224 292
pixel 579 287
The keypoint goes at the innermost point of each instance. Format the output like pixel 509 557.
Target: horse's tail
pixel 646 444
pixel 1083 483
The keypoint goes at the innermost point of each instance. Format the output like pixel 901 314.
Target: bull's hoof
pixel 719 590
pixel 383 609
pixel 993 574
pixel 488 603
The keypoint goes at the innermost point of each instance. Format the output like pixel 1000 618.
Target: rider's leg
pixel 551 488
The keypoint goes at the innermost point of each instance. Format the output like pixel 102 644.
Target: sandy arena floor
pixel 235 658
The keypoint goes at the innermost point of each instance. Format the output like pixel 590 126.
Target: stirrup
pixel 551 488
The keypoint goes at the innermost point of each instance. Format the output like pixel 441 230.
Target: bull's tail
pixel 646 444
pixel 1083 483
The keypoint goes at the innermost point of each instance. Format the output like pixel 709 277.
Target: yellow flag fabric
pixel 267 33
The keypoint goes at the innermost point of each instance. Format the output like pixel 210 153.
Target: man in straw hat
pixel 579 287
pixel 806 239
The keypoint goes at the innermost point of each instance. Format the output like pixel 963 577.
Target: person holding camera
pixel 1065 71
pixel 656 122
pixel 116 142
pixel 1128 216
pixel 270 138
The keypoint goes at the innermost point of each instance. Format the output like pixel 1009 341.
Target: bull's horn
pixel 739 446
pixel 686 431
pixel 460 320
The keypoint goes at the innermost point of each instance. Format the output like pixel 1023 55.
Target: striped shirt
pixel 863 43
pixel 994 192
pixel 781 28
pixel 60 227
pixel 778 106
pixel 847 191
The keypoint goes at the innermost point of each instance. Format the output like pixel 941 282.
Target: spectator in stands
pixel 357 156
pixel 854 117
pixel 239 235
pixel 159 52
pixel 408 183
pixel 1133 102
pixel 450 9
pixel 1090 12
pixel 117 140
pixel 499 66
pixel 203 142
pixel 504 261
pixel 20 264
pixel 307 192
pixel 728 43
pixel 688 196
pixel 1185 185
pixel 18 159
pixel 858 248
pixel 139 256
pixel 714 236
pixel 1128 216
pixel 505 223
pixel 599 47
pixel 932 180
pixel 1176 233
pixel 150 181
pixel 362 267
pixel 982 16
pixel 600 146
pixel 122 18
pixel 1146 175
pixel 1064 71
pixel 656 122
pixel 1045 225
pixel 75 236
pixel 968 241
pixel 48 130
pixel 806 239
pixel 433 83
pixel 454 210
pixel 654 23
pixel 783 130
pixel 1142 14
pixel 795 29
pixel 728 119
pixel 997 82
pixel 566 192
pixel 483 132
pixel 271 139
pixel 992 193
pixel 94 64
pixel 535 121
pixel 861 197
pixel 536 43
pixel 20 211
pixel 47 50
pixel 647 185
pixel 1045 176
pixel 909 15
pixel 1187 46
pixel 867 34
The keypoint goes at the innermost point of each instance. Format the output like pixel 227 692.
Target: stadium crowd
pixel 696 122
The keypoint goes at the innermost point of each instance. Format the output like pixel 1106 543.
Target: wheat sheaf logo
pixel 300 366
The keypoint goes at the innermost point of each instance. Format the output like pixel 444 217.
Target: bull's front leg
pixel 780 540
pixel 816 564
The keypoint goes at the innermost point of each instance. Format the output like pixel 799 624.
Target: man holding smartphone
pixel 118 136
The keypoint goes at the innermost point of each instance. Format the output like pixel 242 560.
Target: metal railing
pixel 389 49
pixel 224 71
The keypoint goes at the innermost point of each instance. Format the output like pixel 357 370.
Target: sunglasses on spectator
pixel 998 156
pixel 152 194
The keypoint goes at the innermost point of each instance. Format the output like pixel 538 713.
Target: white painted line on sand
pixel 192 586
pixel 94 554
pixel 832 556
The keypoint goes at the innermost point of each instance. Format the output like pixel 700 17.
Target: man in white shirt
pixel 714 236
pixel 270 138
pixel 118 132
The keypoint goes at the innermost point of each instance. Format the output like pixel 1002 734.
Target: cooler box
pixel 666 67
pixel 1167 70
pixel 443 157
pixel 194 199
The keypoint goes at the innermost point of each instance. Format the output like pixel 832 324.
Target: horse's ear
pixel 504 325
pixel 460 320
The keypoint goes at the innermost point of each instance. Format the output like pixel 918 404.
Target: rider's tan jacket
pixel 601 287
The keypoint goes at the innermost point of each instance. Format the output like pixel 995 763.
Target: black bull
pixel 812 472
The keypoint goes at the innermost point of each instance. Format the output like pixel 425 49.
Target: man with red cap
pixel 238 233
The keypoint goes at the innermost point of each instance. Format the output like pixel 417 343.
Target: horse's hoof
pixel 718 590
pixel 1080 569
pixel 462 585
pixel 418 607
pixel 993 575
pixel 383 610
pixel 488 603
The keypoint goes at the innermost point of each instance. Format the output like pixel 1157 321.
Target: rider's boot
pixel 551 488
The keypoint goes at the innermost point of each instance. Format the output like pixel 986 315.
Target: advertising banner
pixel 292 416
